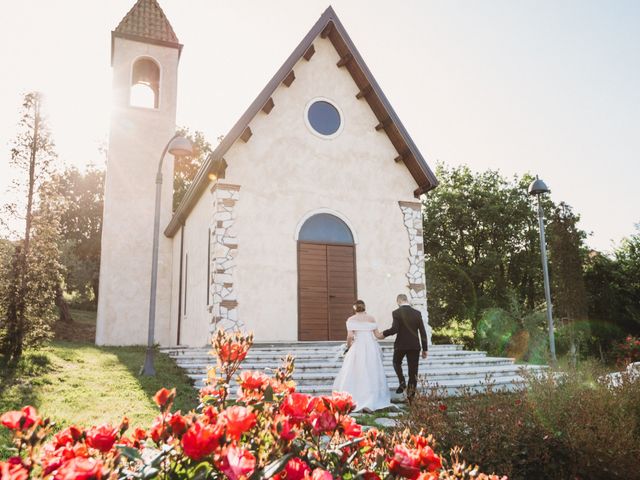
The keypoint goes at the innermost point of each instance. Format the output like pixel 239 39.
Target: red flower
pixel 428 476
pixel 20 420
pixel 253 380
pixel 237 463
pixel 177 423
pixel 102 438
pixel 158 429
pixel 232 352
pixel 405 462
pixel 342 402
pixel 79 468
pixel 211 391
pixel 201 440
pixel 52 458
pixel 350 427
pixel 320 474
pixel 283 427
pixel 323 422
pixel 429 459
pixel 295 406
pixel 296 469
pixel 13 469
pixel 442 407
pixel 209 415
pixel 370 476
pixel 69 435
pixel 164 398
pixel 238 420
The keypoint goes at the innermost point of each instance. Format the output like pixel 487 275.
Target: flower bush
pixel 627 351
pixel 267 431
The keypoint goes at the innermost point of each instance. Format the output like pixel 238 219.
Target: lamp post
pixel 178 146
pixel 537 188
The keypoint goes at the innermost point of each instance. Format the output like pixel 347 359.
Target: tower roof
pixel 146 22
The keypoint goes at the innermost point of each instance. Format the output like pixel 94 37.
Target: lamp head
pixel 538 187
pixel 180 147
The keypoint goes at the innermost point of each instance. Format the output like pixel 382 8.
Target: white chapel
pixel 310 201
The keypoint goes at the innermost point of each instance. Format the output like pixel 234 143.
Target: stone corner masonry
pixel 412 216
pixel 224 249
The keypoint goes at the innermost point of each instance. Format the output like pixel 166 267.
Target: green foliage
pixel 481 245
pixel 564 425
pixel 75 382
pixel 30 281
pixel 186 168
pixel 82 198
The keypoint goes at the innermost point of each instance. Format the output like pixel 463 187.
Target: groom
pixel 407 323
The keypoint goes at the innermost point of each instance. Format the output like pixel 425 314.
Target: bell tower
pixel 144 58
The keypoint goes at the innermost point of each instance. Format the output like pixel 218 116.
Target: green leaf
pixel 201 471
pixel 268 394
pixel 129 452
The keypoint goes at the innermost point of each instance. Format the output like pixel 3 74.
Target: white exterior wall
pixel 137 138
pixel 285 172
pixel 194 324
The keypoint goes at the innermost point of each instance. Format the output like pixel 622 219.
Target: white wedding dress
pixel 362 373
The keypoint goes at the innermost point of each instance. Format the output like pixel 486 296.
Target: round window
pixel 324 118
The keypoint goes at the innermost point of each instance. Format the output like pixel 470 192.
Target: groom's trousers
pixel 413 356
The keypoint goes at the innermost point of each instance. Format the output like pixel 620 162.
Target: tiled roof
pixel 147 20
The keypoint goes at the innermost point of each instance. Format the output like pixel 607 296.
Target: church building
pixel 310 201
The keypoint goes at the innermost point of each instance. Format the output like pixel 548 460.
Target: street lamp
pixel 538 187
pixel 178 146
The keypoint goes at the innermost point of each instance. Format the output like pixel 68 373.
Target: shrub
pixel 627 351
pixel 268 431
pixel 563 425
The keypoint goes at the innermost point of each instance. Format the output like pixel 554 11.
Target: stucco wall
pixel 137 138
pixel 195 318
pixel 286 172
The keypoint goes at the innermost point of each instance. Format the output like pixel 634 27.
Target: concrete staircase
pixel 317 363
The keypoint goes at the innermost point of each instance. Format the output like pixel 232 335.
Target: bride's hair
pixel 359 306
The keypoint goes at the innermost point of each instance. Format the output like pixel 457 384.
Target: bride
pixel 362 373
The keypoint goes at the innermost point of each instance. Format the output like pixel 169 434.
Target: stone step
pixel 285 346
pixel 325 378
pixel 446 387
pixel 429 365
pixel 324 356
pixel 318 363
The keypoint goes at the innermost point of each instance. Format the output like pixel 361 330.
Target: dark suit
pixel 410 333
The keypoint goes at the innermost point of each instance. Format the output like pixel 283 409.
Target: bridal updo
pixel 359 306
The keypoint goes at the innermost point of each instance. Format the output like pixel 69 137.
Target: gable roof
pixel 146 22
pixel 328 26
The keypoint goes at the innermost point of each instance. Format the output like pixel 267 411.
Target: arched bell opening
pixel 145 83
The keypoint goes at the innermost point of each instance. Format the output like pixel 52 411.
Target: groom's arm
pixel 394 327
pixel 423 334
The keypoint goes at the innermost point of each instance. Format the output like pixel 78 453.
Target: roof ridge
pixel 327 26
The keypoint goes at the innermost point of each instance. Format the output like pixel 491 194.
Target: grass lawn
pixel 77 382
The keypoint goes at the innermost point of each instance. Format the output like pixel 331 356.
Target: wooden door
pixel 326 290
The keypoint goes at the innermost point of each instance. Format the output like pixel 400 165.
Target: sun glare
pixel 142 95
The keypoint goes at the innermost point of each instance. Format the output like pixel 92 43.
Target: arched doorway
pixel 326 278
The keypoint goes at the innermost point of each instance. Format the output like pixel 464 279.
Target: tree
pixel 82 195
pixel 186 168
pixel 567 252
pixel 481 245
pixel 30 276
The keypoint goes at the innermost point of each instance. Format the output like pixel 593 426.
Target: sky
pixel 550 87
